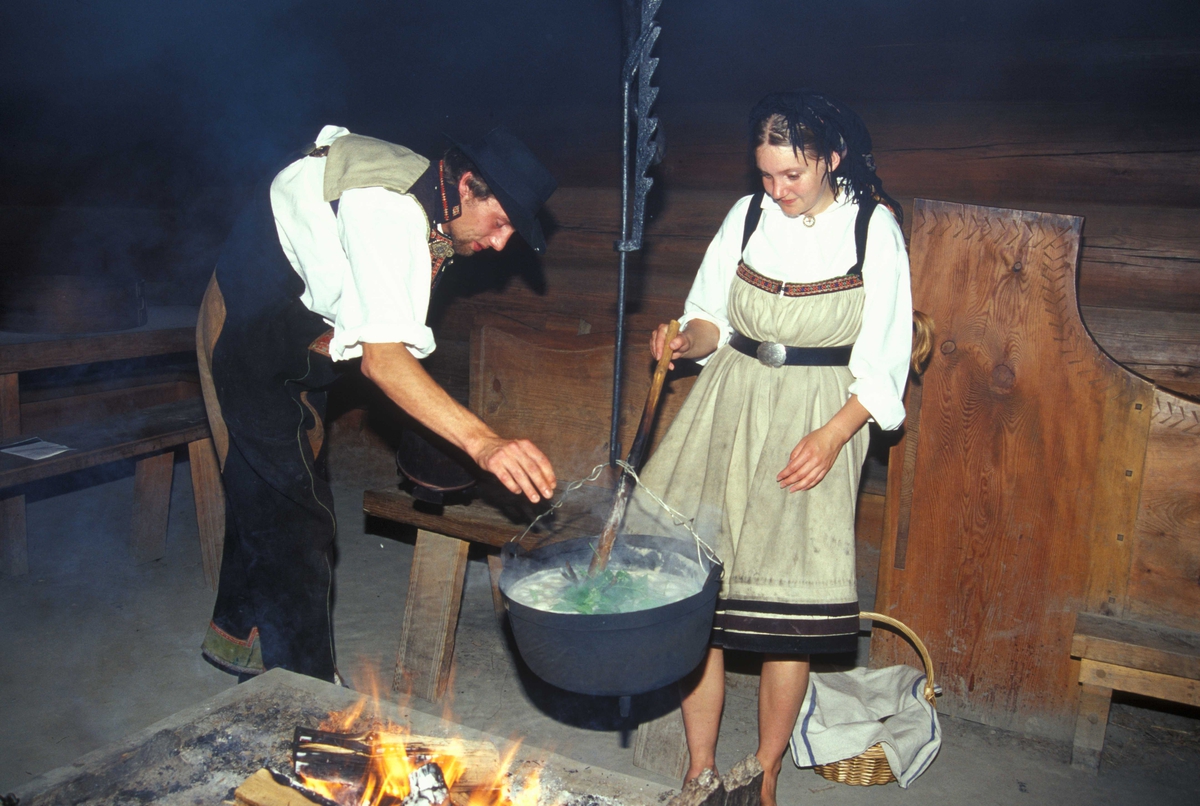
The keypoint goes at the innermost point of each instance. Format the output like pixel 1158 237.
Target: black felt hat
pixel 521 183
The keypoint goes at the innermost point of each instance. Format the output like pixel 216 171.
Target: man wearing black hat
pixel 337 259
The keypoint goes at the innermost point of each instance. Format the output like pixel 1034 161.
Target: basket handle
pixel 930 689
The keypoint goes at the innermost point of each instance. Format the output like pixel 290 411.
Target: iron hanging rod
pixel 648 150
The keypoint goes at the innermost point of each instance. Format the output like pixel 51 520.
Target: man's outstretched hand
pixel 518 463
pixel 520 466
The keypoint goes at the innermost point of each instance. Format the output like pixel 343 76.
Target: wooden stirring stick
pixel 625 485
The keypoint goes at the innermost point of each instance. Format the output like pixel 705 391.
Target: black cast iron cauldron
pixel 622 653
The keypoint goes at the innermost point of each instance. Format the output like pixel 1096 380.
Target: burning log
pixel 263 789
pixel 427 787
pixel 341 758
pixel 743 783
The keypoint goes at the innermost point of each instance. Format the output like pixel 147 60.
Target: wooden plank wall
pixel 1133 175
pixel 171 249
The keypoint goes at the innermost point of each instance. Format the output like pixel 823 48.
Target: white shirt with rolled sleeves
pixel 782 248
pixel 366 269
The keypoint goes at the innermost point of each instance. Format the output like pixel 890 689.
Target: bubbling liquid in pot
pixel 614 590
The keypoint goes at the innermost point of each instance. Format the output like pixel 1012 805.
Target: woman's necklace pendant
pixel 808 220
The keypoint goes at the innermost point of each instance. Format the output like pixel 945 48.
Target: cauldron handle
pixel 625 485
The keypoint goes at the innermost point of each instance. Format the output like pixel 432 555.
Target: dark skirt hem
pixel 786 645
pixel 786 628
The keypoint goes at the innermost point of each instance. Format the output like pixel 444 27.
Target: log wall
pixel 1133 175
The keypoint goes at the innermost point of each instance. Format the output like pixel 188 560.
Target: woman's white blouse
pixel 782 248
pixel 366 269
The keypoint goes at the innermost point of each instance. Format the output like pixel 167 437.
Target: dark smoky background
pixel 132 128
pixel 131 132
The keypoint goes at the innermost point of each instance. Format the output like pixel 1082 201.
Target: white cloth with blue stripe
pixel 845 713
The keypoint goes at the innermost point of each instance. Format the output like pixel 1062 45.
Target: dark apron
pixel 275 598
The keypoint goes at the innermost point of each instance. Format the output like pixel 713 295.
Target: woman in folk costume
pixel 801 312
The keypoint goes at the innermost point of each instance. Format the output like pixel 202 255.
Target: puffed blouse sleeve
pixel 880 359
pixel 709 297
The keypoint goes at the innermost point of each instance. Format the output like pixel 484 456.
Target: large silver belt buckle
pixel 771 353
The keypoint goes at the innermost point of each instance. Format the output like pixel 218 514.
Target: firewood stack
pixel 263 789
pixel 267 788
pixel 347 764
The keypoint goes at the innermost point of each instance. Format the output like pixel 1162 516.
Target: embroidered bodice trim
pixel 833 284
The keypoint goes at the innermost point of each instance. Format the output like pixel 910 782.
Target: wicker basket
pixel 870 766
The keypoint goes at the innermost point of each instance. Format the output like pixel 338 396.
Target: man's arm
pixel 518 463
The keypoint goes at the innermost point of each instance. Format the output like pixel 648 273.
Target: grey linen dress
pixel 789 585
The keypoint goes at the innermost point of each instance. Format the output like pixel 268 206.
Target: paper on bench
pixel 36 448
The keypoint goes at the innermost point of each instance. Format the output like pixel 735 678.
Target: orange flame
pixel 387 778
pixel 499 792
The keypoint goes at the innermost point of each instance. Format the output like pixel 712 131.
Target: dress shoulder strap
pixel 866 208
pixel 753 214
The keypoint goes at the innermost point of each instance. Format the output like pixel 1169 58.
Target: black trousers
pixel 274 601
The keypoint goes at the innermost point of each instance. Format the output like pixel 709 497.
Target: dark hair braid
pixel 814 123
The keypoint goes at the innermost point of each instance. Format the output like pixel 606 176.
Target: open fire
pixel 387 765
pixel 390 766
pixel 224 750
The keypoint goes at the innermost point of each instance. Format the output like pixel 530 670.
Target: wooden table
pixel 170 329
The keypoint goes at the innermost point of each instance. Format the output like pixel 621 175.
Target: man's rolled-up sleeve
pixel 385 297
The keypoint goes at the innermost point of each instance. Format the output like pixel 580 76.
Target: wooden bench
pixel 168 330
pixel 439 570
pixel 550 386
pixel 1137 657
pixel 151 435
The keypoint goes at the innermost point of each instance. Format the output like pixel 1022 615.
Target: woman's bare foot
pixel 770 781
pixel 695 773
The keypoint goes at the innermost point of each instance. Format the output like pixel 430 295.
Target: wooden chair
pixel 1121 655
pixel 1036 478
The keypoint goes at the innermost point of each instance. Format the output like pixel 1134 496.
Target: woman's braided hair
pixel 817 125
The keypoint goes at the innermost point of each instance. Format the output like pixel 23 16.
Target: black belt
pixel 777 355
